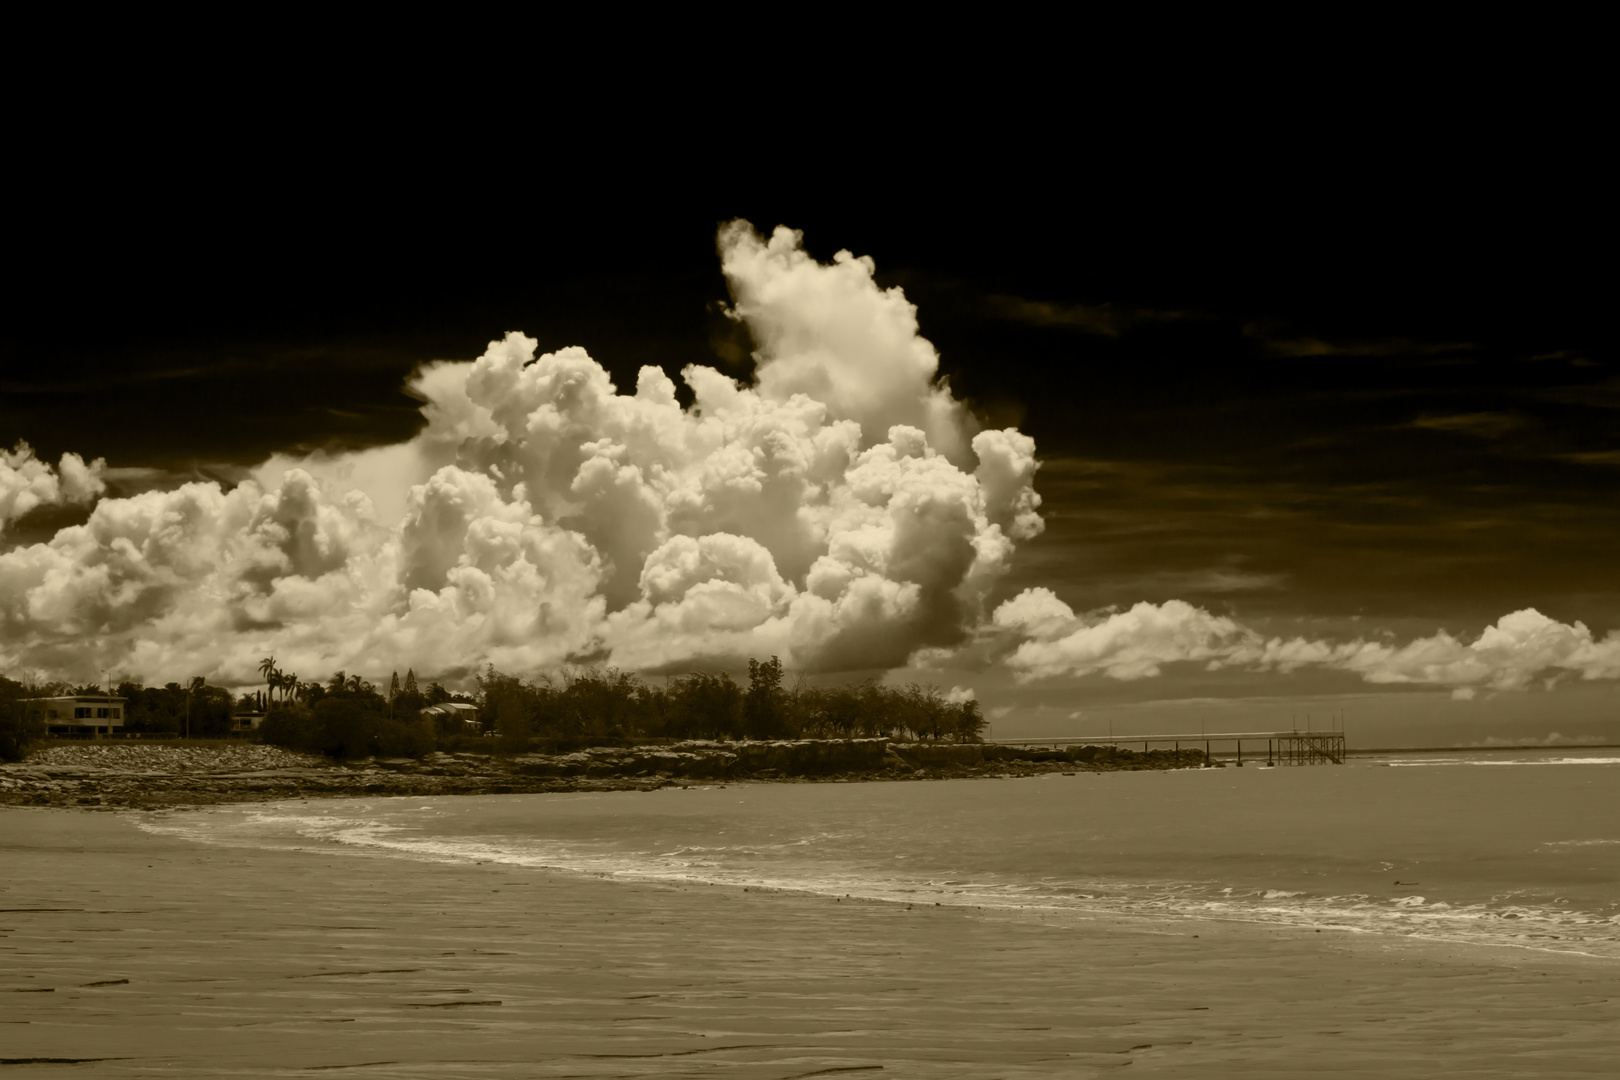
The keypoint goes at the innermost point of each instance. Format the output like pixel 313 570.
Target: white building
pixel 79 714
pixel 246 721
pixel 451 714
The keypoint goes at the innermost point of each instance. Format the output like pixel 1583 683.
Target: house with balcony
pixel 82 716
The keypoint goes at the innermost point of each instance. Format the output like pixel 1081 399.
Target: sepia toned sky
pixel 1309 442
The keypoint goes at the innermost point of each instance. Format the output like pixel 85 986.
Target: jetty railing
pixel 1282 747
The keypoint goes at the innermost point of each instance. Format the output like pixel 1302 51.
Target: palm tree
pixel 267 668
pixel 194 687
pixel 355 683
pixel 337 682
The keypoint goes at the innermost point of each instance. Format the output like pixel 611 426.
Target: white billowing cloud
pixel 1510 655
pixel 841 513
pixel 1519 649
pixel 1132 644
pixel 27 483
pixel 828 332
pixel 1036 613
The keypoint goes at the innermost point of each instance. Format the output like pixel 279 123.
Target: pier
pixel 1281 747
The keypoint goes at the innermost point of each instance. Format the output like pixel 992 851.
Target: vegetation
pixel 348 717
pixel 18 728
pixel 579 707
pixel 196 709
pixel 594 705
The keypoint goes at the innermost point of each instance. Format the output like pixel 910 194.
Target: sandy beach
pixel 131 954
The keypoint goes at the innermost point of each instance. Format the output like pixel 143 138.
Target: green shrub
pixel 293 727
pixel 344 725
pixel 20 728
pixel 404 738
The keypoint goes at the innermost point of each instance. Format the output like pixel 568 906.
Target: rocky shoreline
pixel 130 775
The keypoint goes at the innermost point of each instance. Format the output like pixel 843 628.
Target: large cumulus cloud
pixel 842 511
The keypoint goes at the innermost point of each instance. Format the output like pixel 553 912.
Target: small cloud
pixel 1225 580
pixel 1464 693
pixel 1484 425
pixel 1597 457
pixel 1586 395
pixel 1306 345
pixel 82 383
pixel 1563 354
pixel 1000 712
pixel 1105 320
pixel 932 658
pixel 1213 579
pixel 135 473
pixel 957 695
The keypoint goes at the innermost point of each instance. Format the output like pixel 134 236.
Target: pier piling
pixel 1282 747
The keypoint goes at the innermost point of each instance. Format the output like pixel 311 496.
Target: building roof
pixel 93 699
pixel 448 707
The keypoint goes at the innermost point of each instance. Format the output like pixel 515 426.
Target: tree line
pixel 581 706
pixel 347 716
pixel 592 706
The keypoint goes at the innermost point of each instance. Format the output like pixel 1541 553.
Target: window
pixel 81 714
pixel 118 714
pixel 103 714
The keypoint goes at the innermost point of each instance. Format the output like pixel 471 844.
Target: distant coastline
pixel 1355 751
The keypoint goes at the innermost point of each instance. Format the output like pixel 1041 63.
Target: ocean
pixel 1517 849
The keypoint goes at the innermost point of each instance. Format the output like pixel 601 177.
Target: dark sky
pixel 1281 389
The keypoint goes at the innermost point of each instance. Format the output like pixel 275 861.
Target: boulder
pixel 941 755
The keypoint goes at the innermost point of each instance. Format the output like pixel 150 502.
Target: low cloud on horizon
pixel 1047 639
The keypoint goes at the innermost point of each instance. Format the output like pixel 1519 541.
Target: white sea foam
pixel 763 867
pixel 1315 849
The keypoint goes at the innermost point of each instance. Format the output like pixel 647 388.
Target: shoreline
pixel 147 954
pixel 113 776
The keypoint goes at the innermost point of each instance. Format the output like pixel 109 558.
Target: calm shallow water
pixel 1520 849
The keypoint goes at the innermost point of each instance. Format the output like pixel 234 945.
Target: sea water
pixel 1519 849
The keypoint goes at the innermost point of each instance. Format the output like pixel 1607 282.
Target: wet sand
pixel 140 955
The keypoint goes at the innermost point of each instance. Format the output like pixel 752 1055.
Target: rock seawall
pixel 714 760
pixel 112 775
